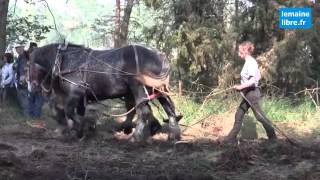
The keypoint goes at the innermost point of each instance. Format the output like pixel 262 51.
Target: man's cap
pixel 31 45
pixel 18 45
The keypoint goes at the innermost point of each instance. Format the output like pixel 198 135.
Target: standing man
pixel 21 85
pixel 35 98
pixel 250 76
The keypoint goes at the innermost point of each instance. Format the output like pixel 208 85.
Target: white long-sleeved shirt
pixel 250 69
pixel 7 74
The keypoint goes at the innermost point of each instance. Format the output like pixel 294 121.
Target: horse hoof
pixel 174 134
pixel 126 127
pixel 70 123
pixel 174 137
pixel 58 133
pixel 155 126
pixel 178 118
pixel 132 139
pixel 79 134
pixel 82 138
pixel 93 128
pixel 136 138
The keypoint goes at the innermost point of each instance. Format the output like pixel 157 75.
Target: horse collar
pixel 63 47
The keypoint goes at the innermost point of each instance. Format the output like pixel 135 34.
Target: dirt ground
pixel 38 154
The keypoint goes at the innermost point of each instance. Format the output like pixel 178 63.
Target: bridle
pixel 53 69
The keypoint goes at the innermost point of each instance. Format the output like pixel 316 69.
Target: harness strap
pixel 146 92
pixel 136 58
pixel 85 72
pixel 54 68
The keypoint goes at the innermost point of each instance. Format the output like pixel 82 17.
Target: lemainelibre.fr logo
pixel 295 18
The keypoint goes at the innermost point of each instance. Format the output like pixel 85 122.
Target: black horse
pixel 78 75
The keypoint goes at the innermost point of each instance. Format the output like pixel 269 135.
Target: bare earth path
pixel 36 154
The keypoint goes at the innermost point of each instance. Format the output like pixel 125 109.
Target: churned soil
pixel 38 153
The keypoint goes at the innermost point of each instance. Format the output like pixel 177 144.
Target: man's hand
pixel 22 79
pixel 238 87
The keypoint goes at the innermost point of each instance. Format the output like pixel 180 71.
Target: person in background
pixel 7 76
pixel 35 98
pixel 21 84
pixel 250 76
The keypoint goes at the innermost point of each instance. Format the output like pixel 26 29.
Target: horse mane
pixel 69 45
pixel 76 45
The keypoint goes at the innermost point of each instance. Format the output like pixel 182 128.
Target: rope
pixel 204 102
pixel 213 94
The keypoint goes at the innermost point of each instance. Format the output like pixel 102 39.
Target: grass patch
pixel 278 110
pixel 193 112
pixel 300 117
pixel 281 110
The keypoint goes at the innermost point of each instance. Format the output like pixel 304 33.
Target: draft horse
pixel 77 75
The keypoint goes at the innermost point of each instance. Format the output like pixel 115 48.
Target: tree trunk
pixel 236 4
pixel 3 23
pixel 125 23
pixel 117 25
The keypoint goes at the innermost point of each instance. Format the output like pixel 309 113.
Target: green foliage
pixel 199 36
pixel 192 31
pixel 25 29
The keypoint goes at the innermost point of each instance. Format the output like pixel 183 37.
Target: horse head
pixel 40 69
pixel 155 68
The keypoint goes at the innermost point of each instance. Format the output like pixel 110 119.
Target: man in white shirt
pixel 7 75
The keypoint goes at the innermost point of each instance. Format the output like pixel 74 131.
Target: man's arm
pixel 9 75
pixel 250 83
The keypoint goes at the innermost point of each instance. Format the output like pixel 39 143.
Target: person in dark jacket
pixel 35 98
pixel 21 84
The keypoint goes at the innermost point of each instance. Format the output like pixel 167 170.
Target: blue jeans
pixel 22 94
pixel 35 103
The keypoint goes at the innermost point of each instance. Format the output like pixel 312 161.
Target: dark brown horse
pixel 78 75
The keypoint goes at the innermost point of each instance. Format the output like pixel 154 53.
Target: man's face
pixel 19 50
pixel 242 52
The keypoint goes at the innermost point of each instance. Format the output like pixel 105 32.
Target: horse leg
pixel 58 114
pixel 142 132
pixel 143 111
pixel 154 125
pixel 127 125
pixel 73 120
pixel 81 109
pixel 168 106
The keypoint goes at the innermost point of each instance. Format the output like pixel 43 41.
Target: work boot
pixel 227 139
pixel 271 134
pixel 272 137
